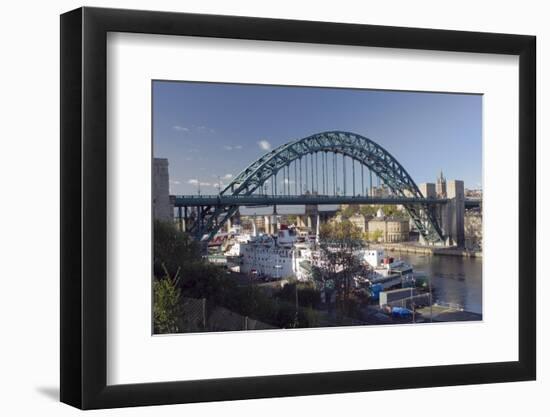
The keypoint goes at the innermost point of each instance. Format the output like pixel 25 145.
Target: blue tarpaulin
pixel 400 312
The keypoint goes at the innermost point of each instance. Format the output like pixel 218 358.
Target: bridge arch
pixel 357 147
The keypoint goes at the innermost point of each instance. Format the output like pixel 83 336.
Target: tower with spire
pixel 441 186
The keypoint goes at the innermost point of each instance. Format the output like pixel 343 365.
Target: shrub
pixel 167 310
pixel 172 248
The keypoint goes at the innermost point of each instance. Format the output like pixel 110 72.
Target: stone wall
pixel 162 209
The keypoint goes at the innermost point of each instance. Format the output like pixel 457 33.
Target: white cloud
pixel 175 182
pixel 195 181
pixel 197 129
pixel 264 145
pixel 232 147
pixel 205 129
pixel 227 176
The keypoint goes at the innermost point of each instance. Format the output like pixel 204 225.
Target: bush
pixel 202 280
pixel 309 318
pixel 172 248
pixel 167 310
pixel 308 295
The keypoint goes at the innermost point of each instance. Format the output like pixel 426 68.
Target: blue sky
pixel 210 130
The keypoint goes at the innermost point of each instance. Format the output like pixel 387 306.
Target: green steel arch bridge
pixel 324 168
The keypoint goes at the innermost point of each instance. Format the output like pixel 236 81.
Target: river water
pixel 455 279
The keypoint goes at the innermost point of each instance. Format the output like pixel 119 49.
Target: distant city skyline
pixel 210 132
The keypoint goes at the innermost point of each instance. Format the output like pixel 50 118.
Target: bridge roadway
pixel 270 200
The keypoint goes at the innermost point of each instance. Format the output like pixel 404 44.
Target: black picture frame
pixel 84 207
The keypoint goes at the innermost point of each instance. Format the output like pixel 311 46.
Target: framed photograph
pixel 256 208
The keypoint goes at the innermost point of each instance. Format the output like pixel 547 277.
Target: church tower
pixel 441 186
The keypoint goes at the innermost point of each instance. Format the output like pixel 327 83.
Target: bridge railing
pixel 270 199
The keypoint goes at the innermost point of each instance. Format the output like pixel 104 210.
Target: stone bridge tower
pixel 162 207
pixel 450 216
pixel 455 212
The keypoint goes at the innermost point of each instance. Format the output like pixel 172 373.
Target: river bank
pixel 428 250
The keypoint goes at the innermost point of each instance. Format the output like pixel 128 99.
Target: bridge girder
pixel 359 148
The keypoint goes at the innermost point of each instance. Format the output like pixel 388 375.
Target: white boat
pixel 385 270
pixel 276 257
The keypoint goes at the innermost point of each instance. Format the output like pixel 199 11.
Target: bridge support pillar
pixel 254 230
pixel 180 219
pixel 185 219
pixel 317 228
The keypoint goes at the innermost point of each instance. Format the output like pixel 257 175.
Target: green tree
pixel 203 280
pixel 391 210
pixel 172 249
pixel 340 231
pixel 291 219
pixel 339 261
pixel 167 308
pixel 374 236
pixel 349 211
pixel 368 210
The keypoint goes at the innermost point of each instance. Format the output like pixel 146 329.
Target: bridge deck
pixel 269 200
